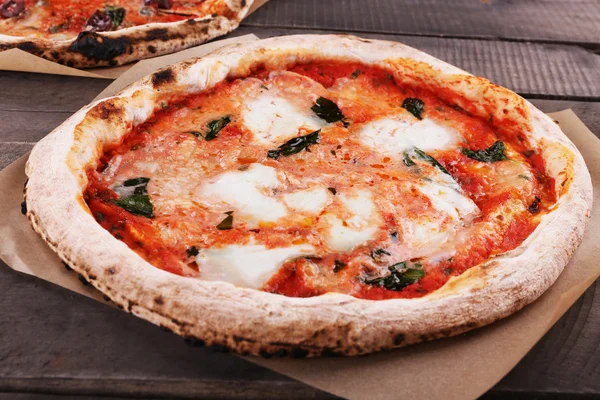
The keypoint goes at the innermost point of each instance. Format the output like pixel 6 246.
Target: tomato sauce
pixel 496 188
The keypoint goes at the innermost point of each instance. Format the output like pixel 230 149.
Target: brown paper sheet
pixel 462 367
pixel 19 60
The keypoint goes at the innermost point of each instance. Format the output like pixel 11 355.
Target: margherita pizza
pixel 89 33
pixel 312 194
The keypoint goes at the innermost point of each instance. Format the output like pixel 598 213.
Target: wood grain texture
pixel 572 21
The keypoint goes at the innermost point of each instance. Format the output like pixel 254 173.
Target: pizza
pixel 91 33
pixel 310 195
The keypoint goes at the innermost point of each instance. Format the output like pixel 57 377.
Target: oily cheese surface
pixel 360 206
pixel 470 239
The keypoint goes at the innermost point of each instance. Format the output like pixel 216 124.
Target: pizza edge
pixel 254 322
pixel 110 49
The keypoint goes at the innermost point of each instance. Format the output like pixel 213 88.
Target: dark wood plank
pixel 45 93
pixel 573 21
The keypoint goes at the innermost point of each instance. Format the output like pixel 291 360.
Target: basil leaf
pixel 356 74
pixel 227 223
pixel 408 161
pixel 398 280
pixel 378 253
pixel 295 145
pixel 414 106
pixel 116 15
pixel 327 110
pixel 339 266
pixel 136 181
pixel 430 160
pixel 492 154
pixel 214 127
pixel 192 251
pixel 136 204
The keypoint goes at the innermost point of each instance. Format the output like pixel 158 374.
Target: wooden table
pixel 56 342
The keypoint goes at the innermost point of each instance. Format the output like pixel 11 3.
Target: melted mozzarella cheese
pixel 448 200
pixel 248 265
pixel 274 120
pixel 430 234
pixel 247 192
pixel 310 201
pixel 393 135
pixel 360 227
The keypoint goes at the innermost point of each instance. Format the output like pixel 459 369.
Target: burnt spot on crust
pixel 30 47
pixel 161 77
pixel 239 339
pixel 299 352
pixel 152 49
pixel 159 300
pixel 24 207
pixel 191 21
pixel 82 280
pixel 101 48
pixel 106 110
pixel 160 34
pixel 398 339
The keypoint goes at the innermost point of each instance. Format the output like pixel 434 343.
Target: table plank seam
pixel 593 47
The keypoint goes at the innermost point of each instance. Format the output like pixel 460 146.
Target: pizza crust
pixel 109 49
pixel 255 322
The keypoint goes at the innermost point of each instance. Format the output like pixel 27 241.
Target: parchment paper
pixel 19 60
pixel 463 367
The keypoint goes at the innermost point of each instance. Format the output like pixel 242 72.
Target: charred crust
pixel 152 49
pixel 157 34
pixel 159 300
pixel 265 354
pixel 67 267
pixel 329 352
pixel 398 339
pixel 110 271
pixel 30 47
pixel 82 280
pixel 101 48
pixel 239 339
pixel 24 207
pixel 105 110
pixel 298 352
pixel 191 21
pixel 163 76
